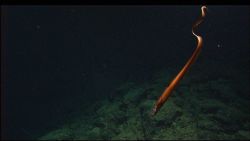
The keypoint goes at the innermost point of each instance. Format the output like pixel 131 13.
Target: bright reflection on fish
pixel 162 99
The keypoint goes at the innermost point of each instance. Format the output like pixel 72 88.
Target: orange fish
pixel 162 99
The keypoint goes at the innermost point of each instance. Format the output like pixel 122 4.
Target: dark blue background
pixel 53 53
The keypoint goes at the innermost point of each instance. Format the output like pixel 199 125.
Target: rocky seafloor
pixel 202 106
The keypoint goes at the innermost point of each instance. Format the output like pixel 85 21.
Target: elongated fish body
pixel 163 98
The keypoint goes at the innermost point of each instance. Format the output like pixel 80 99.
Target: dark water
pixel 94 72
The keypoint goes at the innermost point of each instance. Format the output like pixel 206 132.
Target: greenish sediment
pixel 208 109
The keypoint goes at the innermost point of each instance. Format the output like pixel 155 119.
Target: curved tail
pixel 162 99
